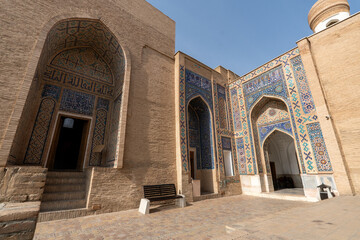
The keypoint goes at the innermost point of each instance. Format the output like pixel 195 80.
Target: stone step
pixel 64 214
pixel 64 188
pixel 62 205
pixel 67 180
pixel 66 175
pixel 206 196
pixel 57 196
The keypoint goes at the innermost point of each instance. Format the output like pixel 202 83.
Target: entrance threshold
pixel 291 194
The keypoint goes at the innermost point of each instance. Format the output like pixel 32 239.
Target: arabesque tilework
pixel 318 144
pixel 265 131
pixel 302 84
pixel 77 102
pixel 241 155
pixel 283 78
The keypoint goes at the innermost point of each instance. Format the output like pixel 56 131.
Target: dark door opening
pixel 71 144
pixel 273 175
pixel 192 164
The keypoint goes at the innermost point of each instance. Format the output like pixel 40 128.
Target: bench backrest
pixel 156 191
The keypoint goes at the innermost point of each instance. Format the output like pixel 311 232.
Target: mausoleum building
pixel 96 104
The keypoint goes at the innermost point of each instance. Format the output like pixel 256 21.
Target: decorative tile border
pixel 35 149
pixel 318 144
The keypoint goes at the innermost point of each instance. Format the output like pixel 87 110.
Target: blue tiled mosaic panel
pixel 195 86
pixel 77 102
pixel 236 110
pixel 221 91
pixel 318 144
pixel 303 86
pixel 198 81
pixel 240 148
pixel 269 83
pixel 103 103
pixel 265 130
pixel 51 91
pixel 226 143
pixel 202 111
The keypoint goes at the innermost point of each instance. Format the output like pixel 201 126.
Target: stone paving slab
pixel 238 217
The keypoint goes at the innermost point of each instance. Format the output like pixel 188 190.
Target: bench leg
pixel 181 202
pixel 144 207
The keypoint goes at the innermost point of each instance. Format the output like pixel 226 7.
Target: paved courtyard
pixel 238 217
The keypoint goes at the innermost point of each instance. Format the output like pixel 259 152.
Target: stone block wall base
pixel 18 220
pixel 22 183
pixel 250 183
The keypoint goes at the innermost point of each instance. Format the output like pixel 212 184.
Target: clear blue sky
pixel 237 34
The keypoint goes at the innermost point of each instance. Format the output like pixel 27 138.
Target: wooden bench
pixel 153 193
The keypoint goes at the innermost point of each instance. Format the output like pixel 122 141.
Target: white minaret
pixel 325 13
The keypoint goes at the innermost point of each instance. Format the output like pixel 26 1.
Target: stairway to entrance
pixel 64 196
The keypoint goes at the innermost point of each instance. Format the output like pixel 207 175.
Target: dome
pixel 324 13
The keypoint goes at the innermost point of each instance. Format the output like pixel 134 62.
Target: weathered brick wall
pixel 149 156
pixel 331 59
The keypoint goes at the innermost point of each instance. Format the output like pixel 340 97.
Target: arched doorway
pixel 279 153
pixel 201 159
pixel 273 138
pixel 74 103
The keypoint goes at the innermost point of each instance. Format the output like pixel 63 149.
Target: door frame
pixel 85 141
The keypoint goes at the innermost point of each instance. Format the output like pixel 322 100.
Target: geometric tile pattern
pixel 240 147
pixel 236 110
pixel 77 102
pixel 98 136
pixel 102 107
pixel 183 129
pixel 194 134
pixel 319 147
pixel 197 85
pixel 204 130
pixel 302 84
pixel 84 61
pixel 289 93
pixel 220 116
pixel 221 94
pixel 36 145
